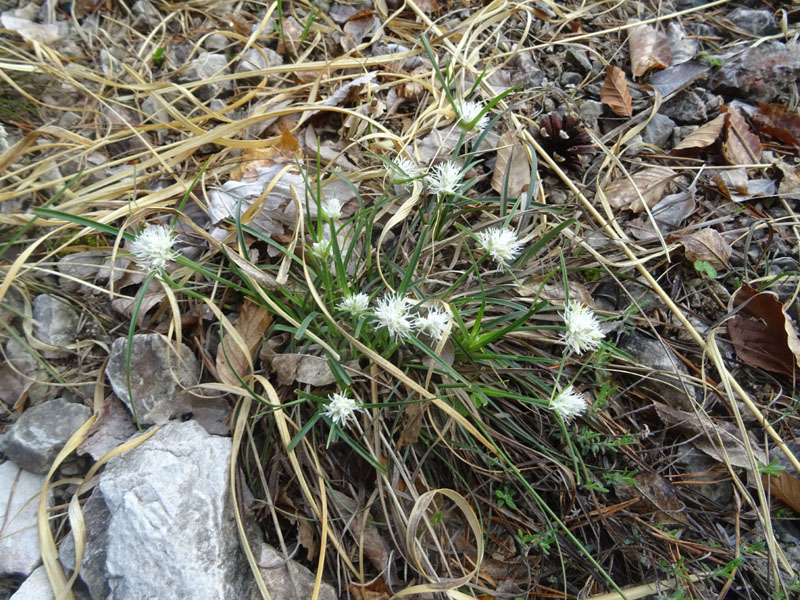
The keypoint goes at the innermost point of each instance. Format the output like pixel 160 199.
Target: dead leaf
pixel 410 424
pixel 651 182
pixel 741 146
pixel 779 121
pixel 252 324
pixel 707 434
pixel 765 336
pixel 668 214
pixel 789 186
pixel 291 34
pixel 112 427
pixel 614 92
pixel 554 292
pixel 288 145
pixel 704 244
pixel 655 495
pixel 701 139
pixel 374 590
pixel 678 77
pixel 126 304
pixel 305 368
pixel 519 171
pixel 427 6
pixel 359 26
pixel 306 537
pixel 785 487
pixel 736 185
pixel 649 49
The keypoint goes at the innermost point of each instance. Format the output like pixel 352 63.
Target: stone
pixel 82 266
pixel 159 523
pixel 208 65
pixel 19 499
pixel 658 131
pixel 35 587
pixel 756 22
pixel 256 60
pixel 668 374
pixel 570 78
pixel 19 375
pixel 685 107
pixel 216 42
pixel 761 74
pixel 56 324
pixel 39 434
pixel 291 581
pixel 157 377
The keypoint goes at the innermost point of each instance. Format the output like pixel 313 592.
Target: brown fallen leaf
pixel 786 486
pixel 509 150
pixel 649 49
pixel 701 139
pixel 614 92
pixel 655 495
pixel 359 26
pixel 741 146
pixel 707 434
pixel 704 244
pixel 651 183
pixel 410 424
pixel 252 324
pixel 789 185
pixel 763 335
pixel 778 121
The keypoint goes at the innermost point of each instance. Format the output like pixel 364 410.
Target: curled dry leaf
pixel 779 121
pixel 704 244
pixel 737 187
pixel 763 335
pixel 741 146
pixel 700 139
pixel 232 359
pixel 649 49
pixel 509 150
pixel 651 182
pixel 614 92
pixel 359 26
pixel 707 435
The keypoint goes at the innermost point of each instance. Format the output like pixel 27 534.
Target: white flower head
pixel 355 304
pixel 568 404
pixel 153 247
pixel 583 329
pixel 445 178
pixel 434 323
pixel 501 243
pixel 332 208
pixel 392 313
pixel 341 409
pixel 321 248
pixel 468 111
pixel 404 169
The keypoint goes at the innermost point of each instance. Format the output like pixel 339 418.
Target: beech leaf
pixel 649 49
pixel 700 139
pixel 252 324
pixel 650 182
pixel 614 92
pixel 706 245
pixel 779 121
pixel 741 146
pixel 519 173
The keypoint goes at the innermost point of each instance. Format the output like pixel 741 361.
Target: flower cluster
pixel 582 331
pixel 354 304
pixel 445 178
pixel 404 169
pixel 568 404
pixel 393 313
pixel 341 409
pixel 469 111
pixel 502 244
pixel 153 247
pixel 331 208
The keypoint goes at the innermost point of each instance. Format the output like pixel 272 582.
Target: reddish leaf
pixel 700 139
pixel 650 182
pixel 779 121
pixel 741 146
pixel 765 336
pixel 614 92
pixel 649 49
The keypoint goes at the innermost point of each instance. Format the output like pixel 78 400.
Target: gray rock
pixel 204 67
pixel 579 60
pixel 19 375
pixel 658 131
pixel 40 433
pixel 19 541
pixel 159 523
pixel 571 78
pixel 760 74
pixel 216 42
pixel 82 266
pixel 590 111
pixel 157 377
pixel 35 587
pixel 666 372
pixel 292 581
pixel 757 22
pixel 255 60
pixel 685 107
pixel 56 324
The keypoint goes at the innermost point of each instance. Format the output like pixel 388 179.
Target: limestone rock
pixel 19 498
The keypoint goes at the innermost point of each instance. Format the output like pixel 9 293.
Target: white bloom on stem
pixel 583 329
pixel 501 243
pixel 332 208
pixel 434 323
pixel 153 247
pixel 404 169
pixel 341 409
pixel 392 313
pixel 568 404
pixel 321 248
pixel 445 178
pixel 468 111
pixel 355 304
